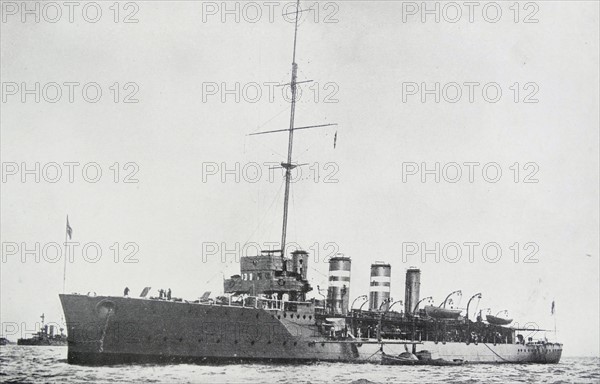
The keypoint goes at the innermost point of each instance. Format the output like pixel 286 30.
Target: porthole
pixel 180 339
pixel 165 338
pixel 304 317
pixel 279 317
pixel 252 342
pixel 322 344
pixel 257 315
pixel 218 341
pixel 295 343
pixel 309 317
pixel 235 342
pixel 285 315
pixel 199 340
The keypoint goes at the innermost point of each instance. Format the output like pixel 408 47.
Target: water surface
pixel 27 364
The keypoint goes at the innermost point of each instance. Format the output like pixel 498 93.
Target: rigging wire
pixel 268 148
pixel 258 225
pixel 319 272
pixel 260 127
pixel 271 119
pixel 294 218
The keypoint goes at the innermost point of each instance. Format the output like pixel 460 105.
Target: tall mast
pixel 288 165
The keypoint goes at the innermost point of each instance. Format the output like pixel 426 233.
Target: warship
pixel 265 315
pixel 45 337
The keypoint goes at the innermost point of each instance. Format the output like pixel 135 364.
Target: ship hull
pixel 120 330
pixel 42 342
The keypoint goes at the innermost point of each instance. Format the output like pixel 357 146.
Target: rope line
pixel 494 352
pixel 376 352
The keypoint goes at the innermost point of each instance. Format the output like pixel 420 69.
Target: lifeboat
pixel 410 359
pixel 441 313
pixel 498 320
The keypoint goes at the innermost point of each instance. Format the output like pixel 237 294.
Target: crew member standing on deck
pixel 126 291
pixel 169 294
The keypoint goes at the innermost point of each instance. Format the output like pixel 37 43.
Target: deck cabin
pixel 271 275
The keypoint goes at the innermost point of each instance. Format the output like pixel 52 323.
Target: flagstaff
pixel 68 234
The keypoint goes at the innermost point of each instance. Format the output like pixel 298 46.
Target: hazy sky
pixel 364 57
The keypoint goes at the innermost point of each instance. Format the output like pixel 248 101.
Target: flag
pixel 69 229
pixel 553 309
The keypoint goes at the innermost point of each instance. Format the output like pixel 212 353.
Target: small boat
pixel 498 320
pixel 399 360
pixel 402 359
pixel 442 362
pixel 441 313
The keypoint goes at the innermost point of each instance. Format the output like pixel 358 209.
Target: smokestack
pixel 411 292
pixel 379 292
pixel 338 292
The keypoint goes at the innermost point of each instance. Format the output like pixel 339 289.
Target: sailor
pixel 169 294
pixel 126 291
pixel 161 293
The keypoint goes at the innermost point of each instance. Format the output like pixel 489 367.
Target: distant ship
pixel 265 315
pixel 45 337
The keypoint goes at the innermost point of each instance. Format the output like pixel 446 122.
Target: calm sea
pixel 21 364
